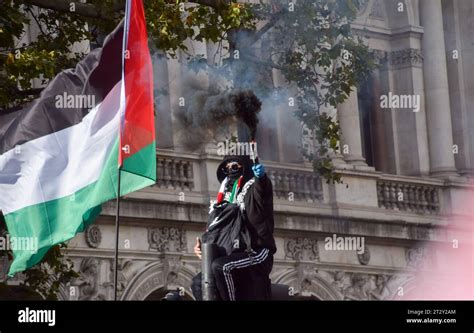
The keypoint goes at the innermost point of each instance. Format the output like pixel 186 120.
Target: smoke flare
pixel 207 114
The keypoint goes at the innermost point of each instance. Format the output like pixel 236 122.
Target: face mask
pixel 234 171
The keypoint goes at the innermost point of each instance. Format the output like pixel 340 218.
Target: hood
pixel 242 159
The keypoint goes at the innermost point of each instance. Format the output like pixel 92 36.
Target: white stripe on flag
pixel 59 164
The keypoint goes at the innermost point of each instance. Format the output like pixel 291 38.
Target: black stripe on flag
pixel 95 75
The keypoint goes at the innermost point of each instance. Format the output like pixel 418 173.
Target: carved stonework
pixel 148 286
pixel 364 257
pixel 360 286
pixel 381 290
pixel 418 257
pixel 406 58
pixel 307 280
pixel 339 280
pixel 93 236
pixel 171 268
pixel 302 249
pixel 167 239
pixel 167 272
pixel 88 280
pixel 123 266
pixel 310 282
pixel 305 276
pixel 380 57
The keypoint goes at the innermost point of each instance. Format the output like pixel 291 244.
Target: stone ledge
pixel 395 230
pixel 139 212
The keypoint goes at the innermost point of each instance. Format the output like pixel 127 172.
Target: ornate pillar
pixel 438 109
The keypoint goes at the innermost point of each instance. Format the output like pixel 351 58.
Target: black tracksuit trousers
pixel 240 276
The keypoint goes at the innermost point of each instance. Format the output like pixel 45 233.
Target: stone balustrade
pixel 174 173
pixel 298 185
pixel 408 196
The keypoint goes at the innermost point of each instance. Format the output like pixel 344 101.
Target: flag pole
pixel 123 104
pixel 117 222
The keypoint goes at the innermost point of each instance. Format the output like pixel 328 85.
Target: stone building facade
pixel 426 158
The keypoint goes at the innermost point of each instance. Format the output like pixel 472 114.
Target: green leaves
pixel 324 61
pixel 169 25
pixel 54 271
pixel 50 52
pixel 11 23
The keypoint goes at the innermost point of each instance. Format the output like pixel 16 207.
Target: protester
pixel 241 224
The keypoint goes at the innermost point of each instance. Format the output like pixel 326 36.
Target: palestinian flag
pixel 60 156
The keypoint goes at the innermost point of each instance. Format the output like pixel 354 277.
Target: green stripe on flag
pixel 59 220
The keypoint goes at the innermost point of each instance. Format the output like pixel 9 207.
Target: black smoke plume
pixel 207 115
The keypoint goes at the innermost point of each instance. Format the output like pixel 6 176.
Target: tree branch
pixel 89 10
pixel 36 20
pixel 258 61
pixel 29 92
pixel 254 37
pixel 82 9
pixel 210 3
pixel 265 28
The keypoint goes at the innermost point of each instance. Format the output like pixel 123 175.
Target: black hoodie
pixel 256 197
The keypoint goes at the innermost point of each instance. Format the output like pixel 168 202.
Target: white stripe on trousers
pixel 242 263
pixel 227 268
pixel 228 274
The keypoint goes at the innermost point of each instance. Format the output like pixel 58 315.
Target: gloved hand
pixel 258 170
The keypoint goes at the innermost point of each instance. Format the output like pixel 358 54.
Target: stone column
pixel 351 143
pixel 458 32
pixel 438 110
pixel 381 159
pixel 288 127
pixel 175 93
pixel 163 119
